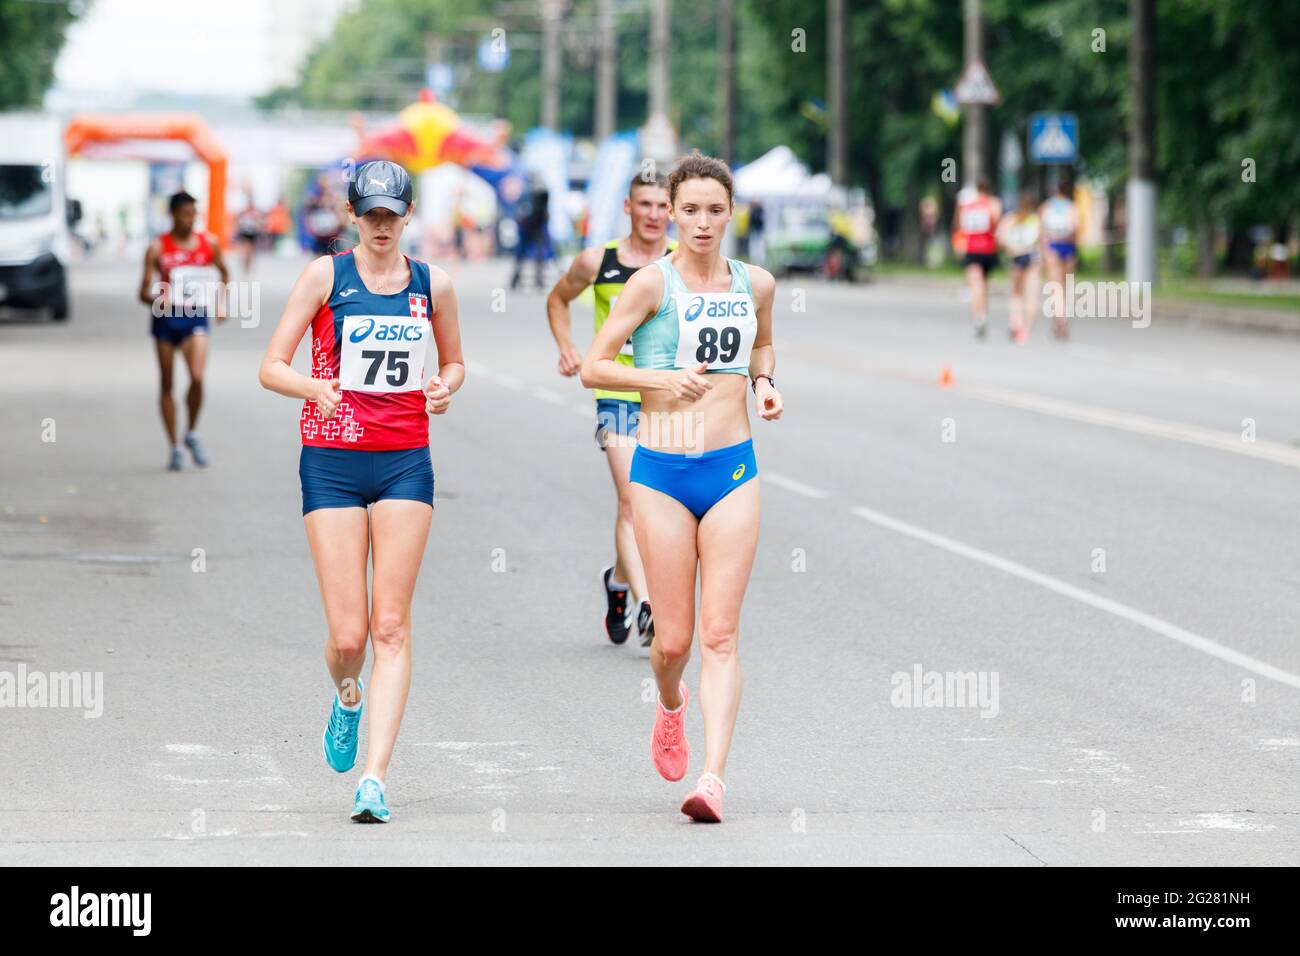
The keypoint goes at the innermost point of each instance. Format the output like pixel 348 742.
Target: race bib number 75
pixel 383 353
pixel 716 328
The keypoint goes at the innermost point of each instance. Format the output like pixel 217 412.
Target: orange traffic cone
pixel 945 377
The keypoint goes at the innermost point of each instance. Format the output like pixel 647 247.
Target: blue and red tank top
pixel 379 346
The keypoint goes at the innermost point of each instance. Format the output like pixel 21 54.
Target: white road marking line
pixel 547 395
pixel 1140 424
pixel 1141 618
pixel 789 484
pixel 1124 421
pixel 1229 377
pixel 1093 352
pixel 190 749
pixel 583 409
pixel 509 381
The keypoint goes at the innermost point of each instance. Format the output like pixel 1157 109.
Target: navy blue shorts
pixel 698 481
pixel 616 415
pixel 176 329
pixel 349 478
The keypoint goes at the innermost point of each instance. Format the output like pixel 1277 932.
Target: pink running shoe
pixel 704 803
pixel 668 747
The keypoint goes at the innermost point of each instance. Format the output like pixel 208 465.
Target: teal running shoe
pixel 340 741
pixel 369 806
pixel 196 449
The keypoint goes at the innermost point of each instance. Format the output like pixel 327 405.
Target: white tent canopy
pixel 778 173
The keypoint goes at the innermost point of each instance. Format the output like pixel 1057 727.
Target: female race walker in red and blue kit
pixel 365 445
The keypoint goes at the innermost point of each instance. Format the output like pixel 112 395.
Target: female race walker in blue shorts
pixel 701 329
pixel 367 479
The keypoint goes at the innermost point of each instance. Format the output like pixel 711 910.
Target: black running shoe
pixel 616 610
pixel 645 623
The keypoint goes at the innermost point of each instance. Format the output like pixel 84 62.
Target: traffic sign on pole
pixel 1053 138
pixel 975 88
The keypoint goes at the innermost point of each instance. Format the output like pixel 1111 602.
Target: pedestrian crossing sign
pixel 1053 138
pixel 975 88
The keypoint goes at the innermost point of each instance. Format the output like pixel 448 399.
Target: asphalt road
pixel 1103 532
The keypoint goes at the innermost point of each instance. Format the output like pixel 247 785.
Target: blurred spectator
pixel 757 223
pixel 324 221
pixel 534 237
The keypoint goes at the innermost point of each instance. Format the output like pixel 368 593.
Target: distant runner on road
pixel 976 224
pixel 189 267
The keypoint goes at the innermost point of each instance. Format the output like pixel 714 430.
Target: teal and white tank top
pixel 717 328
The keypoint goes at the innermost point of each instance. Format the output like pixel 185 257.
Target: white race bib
pixel 717 328
pixel 975 219
pixel 194 287
pixel 383 353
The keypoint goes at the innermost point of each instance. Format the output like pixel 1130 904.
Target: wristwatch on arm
pixel 754 383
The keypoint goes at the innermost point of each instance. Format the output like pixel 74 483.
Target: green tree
pixel 31 35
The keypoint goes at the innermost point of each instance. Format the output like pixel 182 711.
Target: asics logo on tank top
pixel 717 308
pixel 386 331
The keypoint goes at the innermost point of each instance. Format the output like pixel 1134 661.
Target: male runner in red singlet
pixel 976 235
pixel 189 266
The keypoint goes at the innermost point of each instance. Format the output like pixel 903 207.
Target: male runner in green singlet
pixel 606 268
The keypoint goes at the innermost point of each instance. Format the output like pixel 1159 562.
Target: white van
pixel 35 214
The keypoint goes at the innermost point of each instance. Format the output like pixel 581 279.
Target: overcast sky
pixel 221 47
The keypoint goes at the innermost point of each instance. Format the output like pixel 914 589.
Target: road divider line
pixel 509 381
pixel 1275 452
pixel 1139 424
pixel 789 484
pixel 1134 616
pixel 548 396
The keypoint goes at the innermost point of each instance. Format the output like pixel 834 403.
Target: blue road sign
pixel 494 53
pixel 1053 138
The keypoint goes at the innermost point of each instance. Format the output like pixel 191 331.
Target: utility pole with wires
pixel 658 138
pixel 974 134
pixel 727 88
pixel 552 11
pixel 606 71
pixel 1140 254
pixel 837 134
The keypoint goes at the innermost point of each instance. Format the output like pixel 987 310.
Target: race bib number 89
pixel 716 328
pixel 383 353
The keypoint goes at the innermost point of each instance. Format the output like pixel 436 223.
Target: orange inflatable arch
pixel 191 129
